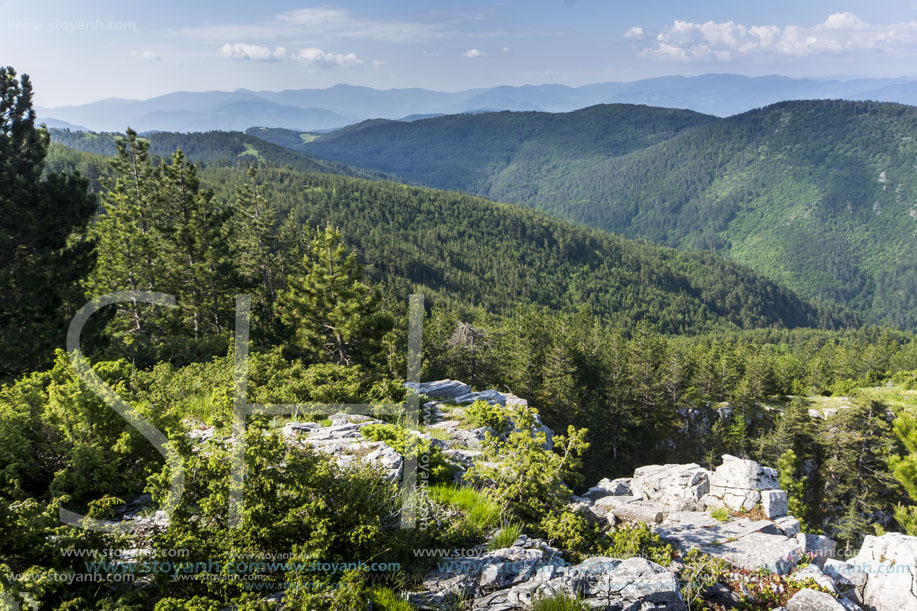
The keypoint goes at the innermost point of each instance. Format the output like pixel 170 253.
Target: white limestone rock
pixel 890 565
pixel 607 487
pixel 774 503
pixel 813 600
pixel 676 487
pixel 743 474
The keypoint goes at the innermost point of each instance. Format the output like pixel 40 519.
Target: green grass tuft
pixel 559 602
pixel 386 599
pixel 505 537
pixel 481 511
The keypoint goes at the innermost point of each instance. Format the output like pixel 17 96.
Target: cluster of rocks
pixel 676 501
pixel 445 412
pixel 514 577
pixel 343 440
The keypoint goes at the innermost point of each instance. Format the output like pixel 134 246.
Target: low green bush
pixel 482 413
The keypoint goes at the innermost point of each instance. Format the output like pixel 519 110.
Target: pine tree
pixel 856 444
pixel 192 235
pixel 42 258
pixel 124 232
pixel 258 255
pixel 335 316
pixel 794 483
pixel 904 470
pixel 160 231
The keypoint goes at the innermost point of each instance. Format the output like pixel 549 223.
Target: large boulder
pixel 890 565
pixel 743 474
pixel 610 487
pixel 741 485
pixel 676 487
pixel 813 600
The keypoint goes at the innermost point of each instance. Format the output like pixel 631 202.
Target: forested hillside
pixel 132 480
pixel 205 148
pixel 821 196
pixel 471 152
pixel 471 252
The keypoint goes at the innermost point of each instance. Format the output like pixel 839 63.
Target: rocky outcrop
pixel 883 575
pixel 737 484
pixel 741 485
pixel 675 498
pixel 444 414
pixel 344 442
pixel 512 578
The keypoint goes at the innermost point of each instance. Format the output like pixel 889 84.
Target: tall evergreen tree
pixel 335 316
pixel 904 470
pixel 192 234
pixel 160 231
pixel 42 259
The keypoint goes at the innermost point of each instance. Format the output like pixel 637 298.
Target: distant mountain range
pixel 323 109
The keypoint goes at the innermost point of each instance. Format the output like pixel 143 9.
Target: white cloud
pixel 320 59
pixel 840 33
pixel 470 53
pixel 241 50
pixel 317 22
pixel 150 56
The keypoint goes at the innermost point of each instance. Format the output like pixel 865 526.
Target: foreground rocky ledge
pixel 675 500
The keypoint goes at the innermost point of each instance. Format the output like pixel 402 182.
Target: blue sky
pixel 78 52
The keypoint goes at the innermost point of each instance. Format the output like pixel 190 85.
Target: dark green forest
pixel 206 148
pixel 634 353
pixel 468 251
pixel 819 195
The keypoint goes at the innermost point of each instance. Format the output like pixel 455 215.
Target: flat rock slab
pixel 742 542
pixel 813 600
pixel 441 389
pixel 646 512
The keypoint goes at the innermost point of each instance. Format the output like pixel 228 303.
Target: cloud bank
pixel 839 34
pixel 311 57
